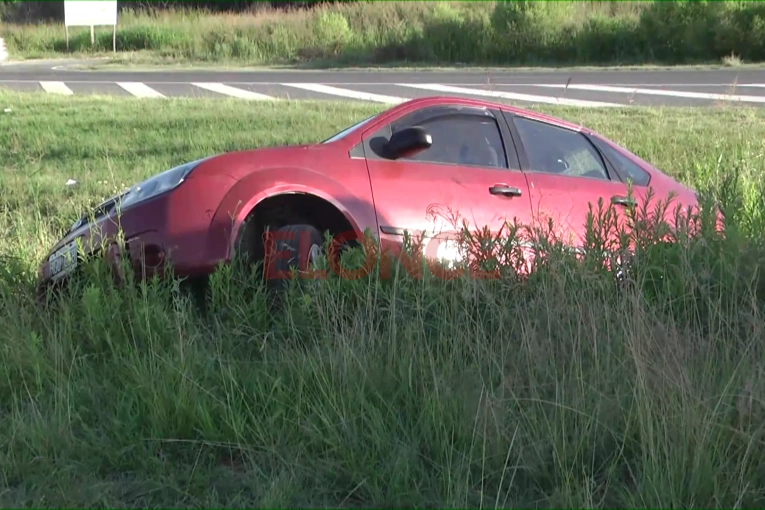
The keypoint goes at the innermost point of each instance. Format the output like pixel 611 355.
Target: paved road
pixel 584 88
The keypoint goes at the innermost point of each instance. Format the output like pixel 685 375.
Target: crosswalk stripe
pixel 663 92
pixel 139 89
pixel 56 87
pixel 508 95
pixel 336 91
pixel 226 90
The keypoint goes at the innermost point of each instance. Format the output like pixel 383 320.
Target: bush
pixel 333 33
pixel 505 33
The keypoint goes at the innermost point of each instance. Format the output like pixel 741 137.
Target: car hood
pixel 240 163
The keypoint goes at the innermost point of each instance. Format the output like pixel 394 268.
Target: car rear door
pixel 470 173
pixel 567 174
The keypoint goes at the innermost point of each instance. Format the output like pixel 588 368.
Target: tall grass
pixel 559 390
pixel 504 33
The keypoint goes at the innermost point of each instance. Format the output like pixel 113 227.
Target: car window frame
pixel 613 175
pixel 430 112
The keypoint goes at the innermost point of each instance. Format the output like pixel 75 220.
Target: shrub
pixel 506 33
pixel 332 33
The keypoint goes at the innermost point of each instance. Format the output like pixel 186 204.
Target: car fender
pixel 246 194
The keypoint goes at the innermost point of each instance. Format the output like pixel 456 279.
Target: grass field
pixel 435 33
pixel 555 393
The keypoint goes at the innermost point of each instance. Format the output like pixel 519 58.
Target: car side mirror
pixel 408 142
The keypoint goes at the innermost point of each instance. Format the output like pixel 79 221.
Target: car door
pixel 567 174
pixel 469 174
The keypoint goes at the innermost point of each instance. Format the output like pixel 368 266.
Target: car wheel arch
pixel 288 208
pixel 252 190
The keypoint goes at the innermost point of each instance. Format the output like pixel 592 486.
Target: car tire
pixel 298 246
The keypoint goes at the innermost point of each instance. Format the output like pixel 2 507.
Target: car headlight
pixel 158 184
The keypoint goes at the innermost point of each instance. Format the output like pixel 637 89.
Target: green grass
pixel 552 393
pixel 437 33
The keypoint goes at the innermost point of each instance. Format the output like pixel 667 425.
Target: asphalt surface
pixel 577 88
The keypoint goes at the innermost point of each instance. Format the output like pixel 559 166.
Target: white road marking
pixel 335 91
pixel 382 84
pixel 509 95
pixel 624 84
pixel 139 89
pixel 233 91
pixel 666 93
pixel 56 87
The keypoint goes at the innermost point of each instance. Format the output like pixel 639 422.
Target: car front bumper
pixel 172 227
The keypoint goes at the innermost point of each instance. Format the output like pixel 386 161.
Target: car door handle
pixel 505 191
pixel 619 200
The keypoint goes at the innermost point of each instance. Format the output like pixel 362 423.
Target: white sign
pixel 89 13
pixel 3 51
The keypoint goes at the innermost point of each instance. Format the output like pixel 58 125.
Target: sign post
pixel 88 13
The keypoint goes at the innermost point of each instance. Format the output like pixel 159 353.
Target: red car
pixel 415 167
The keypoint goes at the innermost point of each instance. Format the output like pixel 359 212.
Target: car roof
pixel 422 102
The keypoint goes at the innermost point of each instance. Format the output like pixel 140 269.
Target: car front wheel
pixel 292 246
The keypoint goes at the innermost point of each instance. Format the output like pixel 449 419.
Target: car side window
pixel 555 150
pixel 459 139
pixel 628 168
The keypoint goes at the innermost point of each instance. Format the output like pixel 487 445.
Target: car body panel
pixel 563 201
pixel 325 171
pixel 440 201
pixel 176 222
pixel 352 197
pixel 442 197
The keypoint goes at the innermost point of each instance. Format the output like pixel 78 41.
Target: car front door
pixel 470 174
pixel 567 175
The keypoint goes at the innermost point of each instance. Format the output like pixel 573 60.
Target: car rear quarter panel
pixel 662 183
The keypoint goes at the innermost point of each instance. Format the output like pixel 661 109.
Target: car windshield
pixel 349 130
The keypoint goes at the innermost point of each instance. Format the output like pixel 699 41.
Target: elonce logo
pixel 441 252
